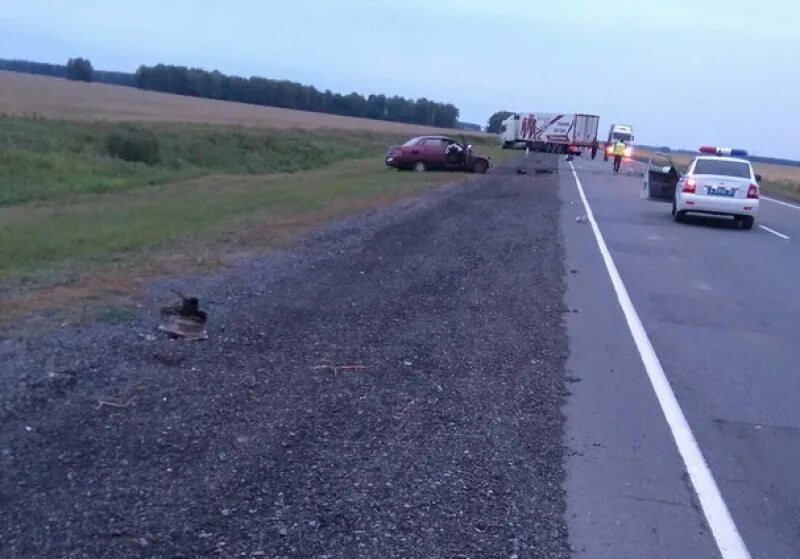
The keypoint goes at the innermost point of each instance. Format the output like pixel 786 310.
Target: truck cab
pixel 619 133
pixel 509 131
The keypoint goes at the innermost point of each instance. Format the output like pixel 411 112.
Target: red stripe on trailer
pixel 539 133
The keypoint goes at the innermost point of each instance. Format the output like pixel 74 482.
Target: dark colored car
pixel 436 152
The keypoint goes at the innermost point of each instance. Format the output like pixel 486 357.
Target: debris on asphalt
pixel 582 219
pixel 521 171
pixel 184 319
pixel 337 368
pixel 111 404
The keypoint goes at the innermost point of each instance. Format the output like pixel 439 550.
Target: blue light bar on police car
pixel 713 150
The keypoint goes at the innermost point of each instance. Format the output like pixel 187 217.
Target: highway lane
pixel 721 308
pixel 780 216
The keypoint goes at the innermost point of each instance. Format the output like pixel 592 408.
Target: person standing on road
pixel 619 151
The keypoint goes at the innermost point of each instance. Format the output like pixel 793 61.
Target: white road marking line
pixel 726 535
pixel 776 233
pixel 781 202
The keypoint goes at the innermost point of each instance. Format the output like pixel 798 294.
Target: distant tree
pixel 28 67
pixel 493 127
pixel 425 112
pixel 376 107
pixel 60 71
pixel 665 149
pixel 80 69
pixel 446 116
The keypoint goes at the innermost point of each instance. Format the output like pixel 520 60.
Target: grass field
pixel 79 225
pixel 42 160
pixel 66 236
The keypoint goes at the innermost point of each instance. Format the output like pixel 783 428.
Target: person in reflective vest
pixel 619 151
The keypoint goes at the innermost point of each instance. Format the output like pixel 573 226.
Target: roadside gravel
pixel 390 387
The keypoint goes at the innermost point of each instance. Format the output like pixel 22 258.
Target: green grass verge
pixel 67 207
pixel 56 161
pixel 57 240
pixel 785 187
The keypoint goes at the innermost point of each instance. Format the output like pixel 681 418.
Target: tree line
pixel 80 69
pixel 496 120
pixel 61 71
pixel 292 95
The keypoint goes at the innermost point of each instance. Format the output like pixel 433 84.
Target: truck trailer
pixel 551 132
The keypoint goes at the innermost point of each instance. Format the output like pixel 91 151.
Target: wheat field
pixel 56 98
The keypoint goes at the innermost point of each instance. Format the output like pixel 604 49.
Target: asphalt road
pixel 721 308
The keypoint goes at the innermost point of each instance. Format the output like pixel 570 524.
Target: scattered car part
pixel 184 319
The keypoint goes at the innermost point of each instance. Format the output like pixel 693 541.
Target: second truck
pixel 619 133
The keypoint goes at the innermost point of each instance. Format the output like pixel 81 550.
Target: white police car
pixel 718 182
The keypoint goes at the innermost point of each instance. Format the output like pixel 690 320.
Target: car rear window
pixel 738 169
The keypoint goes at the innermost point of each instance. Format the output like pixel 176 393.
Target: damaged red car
pixel 436 152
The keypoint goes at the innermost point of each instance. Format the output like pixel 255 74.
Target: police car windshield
pixel 738 169
pixel 622 137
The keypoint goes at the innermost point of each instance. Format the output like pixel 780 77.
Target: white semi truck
pixel 552 132
pixel 619 133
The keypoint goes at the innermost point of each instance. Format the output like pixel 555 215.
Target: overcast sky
pixel 682 72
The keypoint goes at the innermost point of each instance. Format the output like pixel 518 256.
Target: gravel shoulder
pixel 390 387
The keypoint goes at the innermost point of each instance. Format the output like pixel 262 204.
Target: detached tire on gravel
pixel 419 167
pixel 479 167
